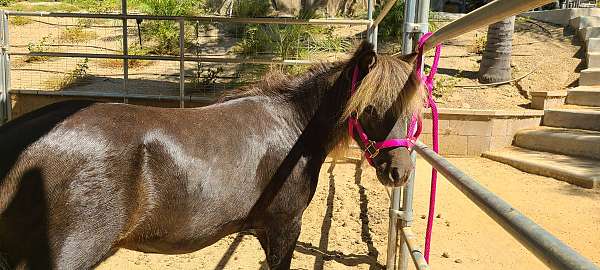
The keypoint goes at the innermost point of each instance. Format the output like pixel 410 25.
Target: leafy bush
pixel 287 41
pixel 5 3
pixel 251 8
pixel 392 24
pixel 165 34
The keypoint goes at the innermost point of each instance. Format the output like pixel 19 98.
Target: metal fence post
pixel 371 31
pixel 5 100
pixel 406 192
pixel 181 63
pixel 125 52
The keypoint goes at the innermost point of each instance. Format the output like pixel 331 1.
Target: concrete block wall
pixel 24 103
pixel 472 132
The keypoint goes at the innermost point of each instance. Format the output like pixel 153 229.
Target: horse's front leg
pixel 278 240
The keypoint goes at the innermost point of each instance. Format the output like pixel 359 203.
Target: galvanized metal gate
pixel 5 103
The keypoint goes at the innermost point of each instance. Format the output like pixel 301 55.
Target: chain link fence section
pixel 85 54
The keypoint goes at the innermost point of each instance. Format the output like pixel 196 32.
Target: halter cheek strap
pixel 372 148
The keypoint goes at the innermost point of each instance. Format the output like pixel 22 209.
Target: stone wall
pixel 472 132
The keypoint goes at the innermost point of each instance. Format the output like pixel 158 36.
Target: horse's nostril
pixel 397 177
pixel 395 174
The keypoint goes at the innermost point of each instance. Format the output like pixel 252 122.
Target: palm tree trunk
pixel 495 63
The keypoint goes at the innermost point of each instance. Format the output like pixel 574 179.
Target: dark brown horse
pixel 78 180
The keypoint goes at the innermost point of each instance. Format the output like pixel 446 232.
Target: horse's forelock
pixel 389 83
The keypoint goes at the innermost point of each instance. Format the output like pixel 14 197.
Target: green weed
pixel 77 76
pixel 39 47
pixel 77 34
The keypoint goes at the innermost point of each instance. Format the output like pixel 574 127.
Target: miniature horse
pixel 79 180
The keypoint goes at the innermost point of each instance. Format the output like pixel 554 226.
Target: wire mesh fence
pixel 86 54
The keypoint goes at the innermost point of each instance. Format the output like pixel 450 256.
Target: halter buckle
pixel 371 150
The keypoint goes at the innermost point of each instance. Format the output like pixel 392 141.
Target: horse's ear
pixel 365 57
pixel 409 58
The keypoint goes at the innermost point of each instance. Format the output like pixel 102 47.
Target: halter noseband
pixel 372 148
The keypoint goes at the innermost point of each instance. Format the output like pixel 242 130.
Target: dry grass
pixel 19 20
pixel 479 43
pixel 77 34
pixel 77 76
pixel 118 63
pixel 65 81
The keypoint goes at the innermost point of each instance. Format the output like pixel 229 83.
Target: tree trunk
pixel 495 63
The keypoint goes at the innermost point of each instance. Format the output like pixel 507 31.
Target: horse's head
pixel 386 97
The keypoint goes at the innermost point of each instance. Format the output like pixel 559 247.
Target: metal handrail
pixel 483 16
pixel 551 251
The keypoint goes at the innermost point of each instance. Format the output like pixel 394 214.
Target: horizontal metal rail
pixel 414 249
pixel 207 19
pixel 95 94
pixel 551 251
pixel 486 15
pixel 204 59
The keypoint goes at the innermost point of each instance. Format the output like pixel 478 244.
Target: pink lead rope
pixel 428 81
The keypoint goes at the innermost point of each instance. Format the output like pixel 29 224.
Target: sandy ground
pixel 345 225
pixel 547 53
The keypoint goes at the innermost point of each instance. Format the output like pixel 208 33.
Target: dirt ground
pixel 548 52
pixel 345 226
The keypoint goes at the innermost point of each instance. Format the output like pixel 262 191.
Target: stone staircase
pixel 567 145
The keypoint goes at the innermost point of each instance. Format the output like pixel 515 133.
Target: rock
pixel 423 216
pixel 458 261
pixel 439 216
pixel 445 255
pixel 447 223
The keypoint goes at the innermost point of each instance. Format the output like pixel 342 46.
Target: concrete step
pixel 561 16
pixel 589 32
pixel 584 96
pixel 588 119
pixel 573 142
pixel 584 21
pixel 575 170
pixel 593 60
pixel 592 45
pixel 589 77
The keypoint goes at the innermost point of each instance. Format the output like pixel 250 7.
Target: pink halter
pixel 372 148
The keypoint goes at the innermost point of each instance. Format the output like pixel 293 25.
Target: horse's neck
pixel 316 111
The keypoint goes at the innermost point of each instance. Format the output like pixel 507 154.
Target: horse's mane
pixel 390 79
pixel 277 84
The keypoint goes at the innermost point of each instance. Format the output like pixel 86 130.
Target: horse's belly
pixel 185 241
